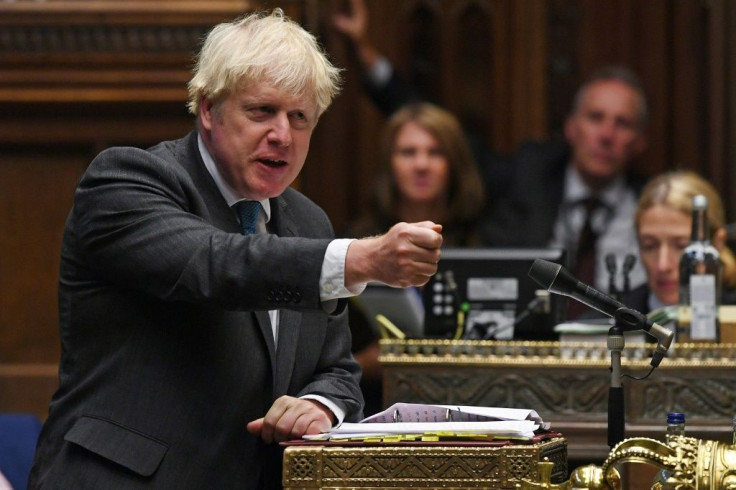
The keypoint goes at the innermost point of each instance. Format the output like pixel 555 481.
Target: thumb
pixel 429 224
pixel 255 426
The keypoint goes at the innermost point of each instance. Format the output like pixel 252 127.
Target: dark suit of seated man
pixel 604 133
pixel 196 338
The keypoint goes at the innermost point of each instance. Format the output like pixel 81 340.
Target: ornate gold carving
pixel 418 466
pixel 518 353
pixel 692 464
pixel 568 392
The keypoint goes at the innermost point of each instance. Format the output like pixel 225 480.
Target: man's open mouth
pixel 272 163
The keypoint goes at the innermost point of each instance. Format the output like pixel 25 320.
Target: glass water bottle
pixel 700 280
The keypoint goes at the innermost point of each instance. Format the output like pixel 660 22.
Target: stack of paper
pixel 431 422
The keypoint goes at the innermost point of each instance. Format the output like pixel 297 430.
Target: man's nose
pixel 666 258
pixel 607 130
pixel 280 132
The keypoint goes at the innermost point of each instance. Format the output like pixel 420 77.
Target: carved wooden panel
pixel 705 395
pixel 568 385
pixel 101 51
pixel 562 392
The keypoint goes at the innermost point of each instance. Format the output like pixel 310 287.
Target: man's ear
pixel 206 112
pixel 719 239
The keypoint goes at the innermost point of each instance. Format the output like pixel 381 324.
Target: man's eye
pixel 260 110
pixel 646 246
pixel 625 124
pixel 299 120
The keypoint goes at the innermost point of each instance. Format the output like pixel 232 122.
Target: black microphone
pixel 556 279
pixel 629 262
pixel 611 268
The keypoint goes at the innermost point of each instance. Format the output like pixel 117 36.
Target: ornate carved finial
pixel 589 476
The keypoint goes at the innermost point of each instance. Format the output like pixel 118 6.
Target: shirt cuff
pixel 332 278
pixel 339 414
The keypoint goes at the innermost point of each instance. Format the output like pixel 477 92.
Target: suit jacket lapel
pixel 222 217
pixel 220 214
pixel 289 320
pixel 283 358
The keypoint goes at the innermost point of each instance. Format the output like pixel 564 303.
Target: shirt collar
pixel 227 192
pixel 576 190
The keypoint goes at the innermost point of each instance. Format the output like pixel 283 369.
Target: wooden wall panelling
pixel 75 78
pixel 719 166
pixel 469 55
pixel 36 188
pixel 501 137
pixel 651 57
pixel 78 51
pixel 687 98
pixel 528 68
pixel 730 161
pixel 563 66
pixel 424 47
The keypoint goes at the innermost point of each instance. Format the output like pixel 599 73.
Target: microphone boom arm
pixel 556 279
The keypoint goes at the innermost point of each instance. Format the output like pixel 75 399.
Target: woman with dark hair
pixel 426 171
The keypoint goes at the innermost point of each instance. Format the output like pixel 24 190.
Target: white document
pixel 417 418
pixel 503 428
pixel 420 412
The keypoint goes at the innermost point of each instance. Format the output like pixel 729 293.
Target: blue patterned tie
pixel 248 213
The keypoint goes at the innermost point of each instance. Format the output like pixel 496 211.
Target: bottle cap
pixel 675 418
pixel 700 202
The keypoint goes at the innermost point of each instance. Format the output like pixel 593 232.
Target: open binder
pixel 412 421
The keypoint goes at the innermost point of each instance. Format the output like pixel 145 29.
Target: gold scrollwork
pixel 692 464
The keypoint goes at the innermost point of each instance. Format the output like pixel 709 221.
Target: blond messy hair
pixel 263 47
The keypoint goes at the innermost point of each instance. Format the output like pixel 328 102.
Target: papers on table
pixel 433 422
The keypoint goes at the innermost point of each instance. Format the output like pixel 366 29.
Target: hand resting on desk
pixel 291 418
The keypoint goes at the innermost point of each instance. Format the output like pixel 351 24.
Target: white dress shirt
pixel 614 223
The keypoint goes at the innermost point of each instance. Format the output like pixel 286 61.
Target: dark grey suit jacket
pixel 526 216
pixel 167 349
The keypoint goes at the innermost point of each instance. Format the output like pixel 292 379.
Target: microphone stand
pixel 616 414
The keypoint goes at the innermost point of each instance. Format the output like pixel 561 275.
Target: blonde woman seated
pixel 664 225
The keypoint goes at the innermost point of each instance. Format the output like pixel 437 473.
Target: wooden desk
pixel 567 384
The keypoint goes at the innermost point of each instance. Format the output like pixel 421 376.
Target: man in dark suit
pixel 604 133
pixel 196 338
